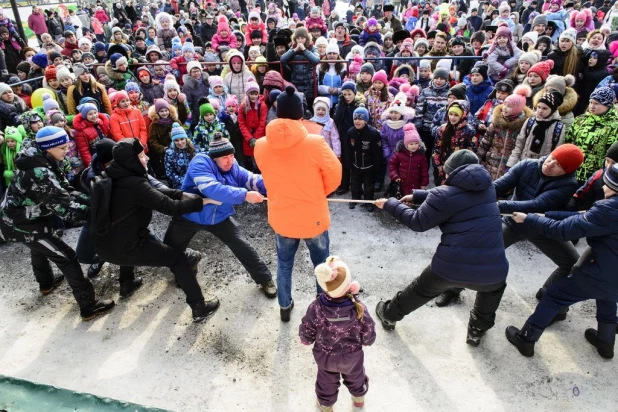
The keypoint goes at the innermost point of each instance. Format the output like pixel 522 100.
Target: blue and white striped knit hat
pixel 50 137
pixel 178 132
pixel 610 178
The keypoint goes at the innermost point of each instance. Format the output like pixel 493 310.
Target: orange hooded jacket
pixel 299 171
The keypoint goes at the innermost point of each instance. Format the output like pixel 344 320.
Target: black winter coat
pixel 366 148
pixel 133 200
pixel 471 249
pixel 207 32
pixel 344 121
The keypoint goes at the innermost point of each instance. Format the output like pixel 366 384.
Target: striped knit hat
pixel 50 137
pixel 177 132
pixel 220 147
pixel 610 178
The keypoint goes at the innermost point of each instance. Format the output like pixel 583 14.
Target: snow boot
pixel 270 289
pixel 351 205
pixel 99 307
pixel 524 339
pixel 474 336
pixel 127 288
pixel 95 268
pixel 285 312
pixel 359 401
pixel 324 408
pixel 386 324
pixel 603 339
pixel 202 310
pixel 46 290
pixel 447 297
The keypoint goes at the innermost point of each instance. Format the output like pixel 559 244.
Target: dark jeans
pixel 429 285
pixel 362 183
pixel 332 367
pixel 150 251
pixel 51 248
pixel 563 254
pixel 181 231
pixel 566 292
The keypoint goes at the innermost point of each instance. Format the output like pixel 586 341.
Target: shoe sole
pixel 269 295
pixel 514 343
pixel 50 290
pixel 473 343
pixel 203 318
pixel 89 318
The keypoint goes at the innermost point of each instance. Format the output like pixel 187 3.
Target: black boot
pixel 351 205
pixel 474 336
pixel 524 339
pixel 203 309
pixel 127 288
pixel 603 339
pixel 98 308
pixel 447 297
pixel 539 294
pixel 285 313
pixel 559 317
pixel 386 323
pixel 194 257
pixel 46 290
pixel 95 268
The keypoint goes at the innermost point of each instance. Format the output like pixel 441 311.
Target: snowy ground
pixel 243 358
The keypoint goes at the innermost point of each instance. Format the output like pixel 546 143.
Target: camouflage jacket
pixel 38 192
pixel 205 133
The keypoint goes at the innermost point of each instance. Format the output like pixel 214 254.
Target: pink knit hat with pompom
pixel 410 134
pixel 517 101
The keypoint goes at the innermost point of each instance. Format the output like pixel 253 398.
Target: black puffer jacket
pixel 133 200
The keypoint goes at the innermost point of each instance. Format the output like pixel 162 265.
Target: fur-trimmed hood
pixel 401 148
pixel 111 73
pixel 568 104
pixel 500 122
pixel 402 66
pixel 154 117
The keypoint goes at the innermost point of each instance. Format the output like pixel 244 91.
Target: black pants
pixel 345 178
pixel 428 286
pixel 150 251
pixel 51 248
pixel 362 183
pixel 86 254
pixel 429 142
pixel 563 254
pixel 181 231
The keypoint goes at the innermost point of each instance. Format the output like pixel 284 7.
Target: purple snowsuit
pixel 339 337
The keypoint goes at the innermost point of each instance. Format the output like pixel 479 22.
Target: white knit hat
pixel 332 47
pixel 193 65
pixel 321 101
pixel 334 277
pixel 321 41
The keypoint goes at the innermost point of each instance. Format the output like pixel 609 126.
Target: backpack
pixel 100 198
pixel 556 135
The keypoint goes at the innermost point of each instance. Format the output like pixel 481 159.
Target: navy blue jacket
pixel 534 192
pixel 471 249
pixel 599 226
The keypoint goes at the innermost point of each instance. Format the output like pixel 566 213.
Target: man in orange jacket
pixel 299 171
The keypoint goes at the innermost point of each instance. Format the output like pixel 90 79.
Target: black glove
pixel 252 141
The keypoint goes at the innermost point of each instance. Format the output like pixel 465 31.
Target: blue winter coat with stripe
pixel 477 94
pixel 429 102
pixel 471 248
pixel 204 178
pixel 599 225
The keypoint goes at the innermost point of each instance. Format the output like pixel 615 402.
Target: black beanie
pixel 480 68
pixel 289 105
pixel 612 152
pixel 459 91
pixel 103 148
pixel 552 99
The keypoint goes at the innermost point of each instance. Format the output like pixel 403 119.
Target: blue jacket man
pixel 218 176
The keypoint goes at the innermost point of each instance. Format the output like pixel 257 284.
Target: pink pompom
pixel 354 288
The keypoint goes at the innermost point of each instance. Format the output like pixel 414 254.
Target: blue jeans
pixel 286 250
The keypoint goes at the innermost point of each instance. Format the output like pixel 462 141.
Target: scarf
pixel 321 120
pixel 165 122
pixel 396 124
pixel 510 119
pixel 539 132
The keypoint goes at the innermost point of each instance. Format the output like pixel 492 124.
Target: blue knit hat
pixel 99 46
pixel 361 113
pixel 40 59
pixel 117 59
pixel 349 85
pixel 604 95
pixel 274 93
pixel 85 108
pixel 177 132
pixel 50 137
pixel 610 178
pixel 188 46
pixel 131 87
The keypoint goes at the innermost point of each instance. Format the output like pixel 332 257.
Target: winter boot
pixel 269 289
pixel 324 408
pixel 359 401
pixel 285 312
pixel 203 309
pixel 351 205
pixel 474 336
pixel 560 316
pixel 99 307
pixel 341 191
pixel 46 290
pixel 524 339
pixel 603 339
pixel 386 324
pixel 447 297
pixel 95 268
pixel 127 288
pixel 370 208
pixel 194 257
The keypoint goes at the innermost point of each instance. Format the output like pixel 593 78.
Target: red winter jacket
pixel 252 123
pixel 86 135
pixel 128 123
pixel 180 63
pixel 410 167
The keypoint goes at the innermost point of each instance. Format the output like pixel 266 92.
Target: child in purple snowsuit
pixel 339 325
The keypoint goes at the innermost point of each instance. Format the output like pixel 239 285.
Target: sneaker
pixel 194 257
pixel 340 191
pixel 202 310
pixel 47 290
pixel 386 324
pixel 269 289
pixel 100 307
pixel 359 401
pixel 95 269
pixel 285 312
pixel 127 288
pixel 324 408
pixel 446 298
